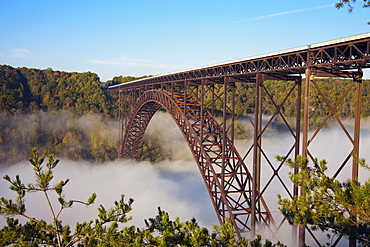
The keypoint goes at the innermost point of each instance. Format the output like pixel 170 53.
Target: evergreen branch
pixel 54 217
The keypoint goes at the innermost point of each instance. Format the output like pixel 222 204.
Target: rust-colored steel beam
pixel 357 129
pixel 256 150
pixel 309 78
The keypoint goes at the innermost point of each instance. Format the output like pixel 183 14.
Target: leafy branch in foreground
pixel 38 231
pixel 349 5
pixel 328 204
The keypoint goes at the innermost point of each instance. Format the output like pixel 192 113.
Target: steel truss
pixel 195 97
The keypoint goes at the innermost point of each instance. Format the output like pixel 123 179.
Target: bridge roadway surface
pixel 329 57
pixel 236 192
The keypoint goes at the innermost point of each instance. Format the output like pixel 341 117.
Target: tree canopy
pixel 328 204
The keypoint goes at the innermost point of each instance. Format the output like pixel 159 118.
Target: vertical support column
pixel 185 89
pixel 120 122
pixel 130 101
pixel 356 146
pixel 127 102
pixel 213 99
pixel 172 89
pixel 256 152
pixel 233 113
pixel 309 78
pixel 297 145
pixel 224 132
pixel 356 137
pixel 201 110
pixel 259 140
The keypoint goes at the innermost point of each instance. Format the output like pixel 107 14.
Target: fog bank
pixel 175 186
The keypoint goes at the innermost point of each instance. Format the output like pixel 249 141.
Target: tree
pixel 104 231
pixel 37 231
pixel 349 5
pixel 328 204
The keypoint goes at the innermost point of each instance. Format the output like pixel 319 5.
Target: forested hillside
pixel 73 115
pixel 26 90
pixel 68 113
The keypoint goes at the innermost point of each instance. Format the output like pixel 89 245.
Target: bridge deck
pixel 336 55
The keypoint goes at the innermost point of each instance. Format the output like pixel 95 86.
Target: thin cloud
pixel 295 11
pixel 16 53
pixel 133 62
pixel 20 53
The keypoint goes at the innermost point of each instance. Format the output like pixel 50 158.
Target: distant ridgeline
pixel 72 114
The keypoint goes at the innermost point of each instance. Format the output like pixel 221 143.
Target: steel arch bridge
pixel 227 178
pixel 238 181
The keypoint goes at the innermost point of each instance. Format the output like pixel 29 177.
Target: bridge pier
pixel 356 76
pixel 256 150
pixel 309 77
pixel 357 128
pixel 298 82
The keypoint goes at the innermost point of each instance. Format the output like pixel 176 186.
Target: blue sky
pixel 142 37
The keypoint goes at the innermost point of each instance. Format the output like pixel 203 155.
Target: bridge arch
pixel 227 179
